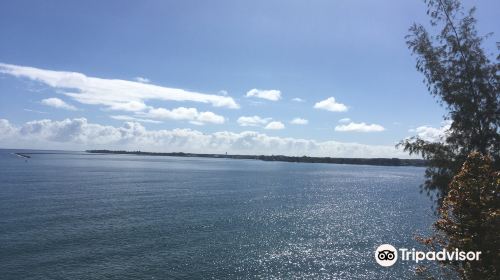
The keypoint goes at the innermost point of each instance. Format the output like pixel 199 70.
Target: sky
pixel 316 78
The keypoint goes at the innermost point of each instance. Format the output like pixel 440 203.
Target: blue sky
pixel 353 51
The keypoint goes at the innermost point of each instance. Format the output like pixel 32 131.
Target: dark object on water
pixel 22 155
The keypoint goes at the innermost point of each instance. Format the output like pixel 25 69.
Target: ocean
pixel 72 215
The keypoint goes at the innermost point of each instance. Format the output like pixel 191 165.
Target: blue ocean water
pixel 71 215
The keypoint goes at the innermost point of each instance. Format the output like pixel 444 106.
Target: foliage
pixel 463 166
pixel 464 80
pixel 470 218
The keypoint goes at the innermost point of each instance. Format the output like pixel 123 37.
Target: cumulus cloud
pixel 209 117
pixel 272 94
pixel 330 104
pixel 58 103
pixel 299 121
pixel 432 134
pixel 359 127
pixel 275 126
pixel 297 99
pixel 113 94
pixel 79 134
pixel 252 121
pixel 182 113
pixel 345 120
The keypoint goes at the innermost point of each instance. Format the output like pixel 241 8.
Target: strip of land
pixel 305 159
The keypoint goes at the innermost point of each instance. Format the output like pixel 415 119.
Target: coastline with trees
pixel 303 159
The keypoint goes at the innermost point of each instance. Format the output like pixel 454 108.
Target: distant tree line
pixel 305 159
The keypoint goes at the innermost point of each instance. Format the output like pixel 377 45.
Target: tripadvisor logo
pixel 386 255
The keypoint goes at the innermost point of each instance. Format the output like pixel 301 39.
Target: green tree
pixel 464 80
pixel 463 167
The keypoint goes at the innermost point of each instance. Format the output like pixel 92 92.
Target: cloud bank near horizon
pixel 432 134
pixel 79 134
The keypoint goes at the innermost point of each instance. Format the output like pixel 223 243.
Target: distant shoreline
pixel 303 159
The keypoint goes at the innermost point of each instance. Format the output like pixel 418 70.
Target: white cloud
pixel 182 113
pixel 432 134
pixel 58 103
pixel 6 129
pixel 330 104
pixel 272 94
pixel 79 134
pixel 275 126
pixel 359 127
pixel 209 117
pixel 132 106
pixel 130 118
pixel 252 121
pixel 259 122
pixel 113 94
pixel 344 120
pixel 297 99
pixel 299 121
pixel 142 80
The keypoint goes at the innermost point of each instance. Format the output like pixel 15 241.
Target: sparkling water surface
pixel 72 215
